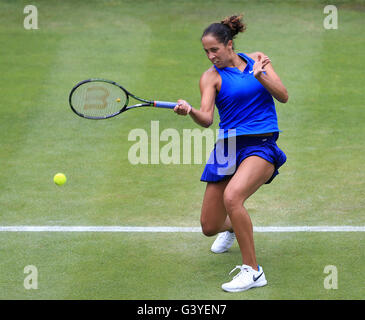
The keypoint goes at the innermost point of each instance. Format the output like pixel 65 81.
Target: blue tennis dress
pixel 245 108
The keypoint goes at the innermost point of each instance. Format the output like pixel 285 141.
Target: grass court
pixel 153 48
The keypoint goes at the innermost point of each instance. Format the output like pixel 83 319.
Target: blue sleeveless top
pixel 243 103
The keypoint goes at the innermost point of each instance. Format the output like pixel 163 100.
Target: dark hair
pixel 227 29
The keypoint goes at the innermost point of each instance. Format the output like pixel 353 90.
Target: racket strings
pixel 98 99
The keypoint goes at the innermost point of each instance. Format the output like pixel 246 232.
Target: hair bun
pixel 235 24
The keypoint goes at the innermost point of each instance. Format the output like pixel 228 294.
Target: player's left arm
pixel 270 80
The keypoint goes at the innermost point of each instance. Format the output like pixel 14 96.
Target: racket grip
pixel 164 104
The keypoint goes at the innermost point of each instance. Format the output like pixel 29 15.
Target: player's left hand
pixel 260 64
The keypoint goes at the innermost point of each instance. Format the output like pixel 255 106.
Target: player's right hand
pixel 182 108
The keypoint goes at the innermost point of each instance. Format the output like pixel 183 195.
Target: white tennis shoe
pixel 223 242
pixel 247 278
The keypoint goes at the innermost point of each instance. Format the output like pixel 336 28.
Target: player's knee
pixel 208 229
pixel 232 199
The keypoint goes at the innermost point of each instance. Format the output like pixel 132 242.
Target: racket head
pixel 98 99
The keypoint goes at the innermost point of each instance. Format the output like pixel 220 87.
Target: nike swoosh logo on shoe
pixel 255 278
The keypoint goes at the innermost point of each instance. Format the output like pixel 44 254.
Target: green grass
pixel 153 48
pixel 135 266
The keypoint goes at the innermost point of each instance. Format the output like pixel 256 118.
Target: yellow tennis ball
pixel 118 100
pixel 59 179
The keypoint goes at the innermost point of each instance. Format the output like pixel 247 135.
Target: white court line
pixel 174 229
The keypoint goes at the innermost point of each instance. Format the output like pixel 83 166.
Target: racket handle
pixel 164 104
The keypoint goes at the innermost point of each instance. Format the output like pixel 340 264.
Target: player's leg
pixel 213 216
pixel 250 175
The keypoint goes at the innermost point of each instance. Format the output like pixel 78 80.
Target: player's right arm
pixel 208 84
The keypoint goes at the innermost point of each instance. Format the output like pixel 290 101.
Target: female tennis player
pixel 242 86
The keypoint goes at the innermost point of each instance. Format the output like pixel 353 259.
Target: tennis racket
pixel 102 99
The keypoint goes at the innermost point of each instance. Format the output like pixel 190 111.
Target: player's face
pixel 217 52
